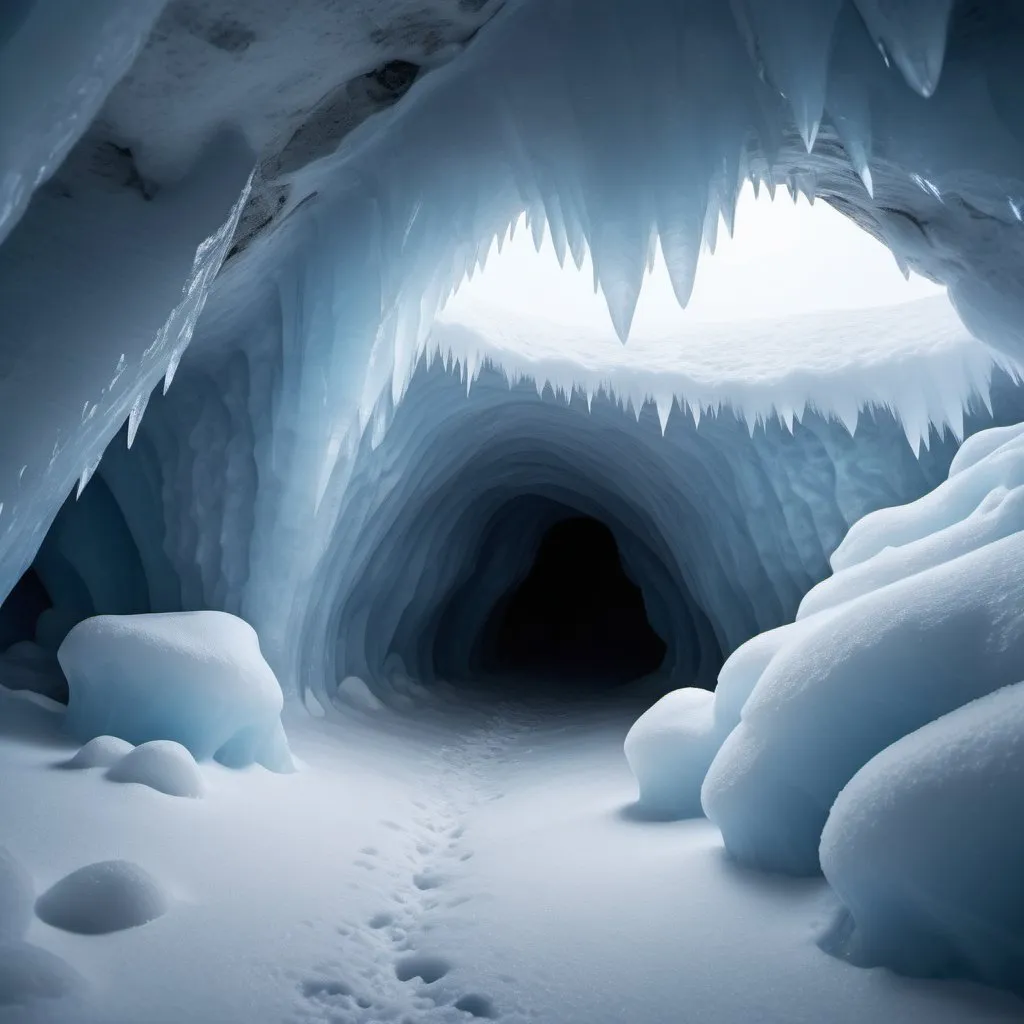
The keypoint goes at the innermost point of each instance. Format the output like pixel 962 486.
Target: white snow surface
pixel 915 358
pixel 924 847
pixel 492 861
pixel 197 678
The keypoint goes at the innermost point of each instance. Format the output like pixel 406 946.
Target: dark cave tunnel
pixel 576 621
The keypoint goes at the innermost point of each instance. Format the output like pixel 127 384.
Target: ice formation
pixel 197 678
pixel 307 326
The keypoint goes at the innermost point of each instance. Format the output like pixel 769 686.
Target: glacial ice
pixel 197 678
pixel 923 846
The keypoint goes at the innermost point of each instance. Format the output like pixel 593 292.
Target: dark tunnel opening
pixel 576 618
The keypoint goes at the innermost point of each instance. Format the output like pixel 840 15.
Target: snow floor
pixel 480 862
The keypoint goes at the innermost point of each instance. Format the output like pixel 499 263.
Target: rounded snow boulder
pixel 108 896
pixel 924 846
pixel 849 683
pixel 197 678
pixel 162 765
pixel 669 749
pixel 100 752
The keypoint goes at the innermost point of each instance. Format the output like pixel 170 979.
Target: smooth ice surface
pixel 924 847
pixel 669 745
pixel 162 765
pixel 109 896
pixel 194 677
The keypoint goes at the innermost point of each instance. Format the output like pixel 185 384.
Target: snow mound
pixel 100 752
pixel 924 846
pixel 354 691
pixel 162 765
pixel 28 973
pixel 16 897
pixel 108 896
pixel 922 616
pixel 669 749
pixel 197 678
pixel 849 685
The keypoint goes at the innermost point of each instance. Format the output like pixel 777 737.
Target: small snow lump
pixel 162 765
pixel 108 896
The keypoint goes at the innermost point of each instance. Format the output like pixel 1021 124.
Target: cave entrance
pixel 576 617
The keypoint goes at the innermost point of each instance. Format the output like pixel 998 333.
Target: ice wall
pixel 909 124
pixel 724 526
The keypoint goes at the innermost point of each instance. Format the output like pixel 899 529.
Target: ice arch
pixel 350 237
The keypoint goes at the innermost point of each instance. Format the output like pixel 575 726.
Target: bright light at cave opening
pixel 785 259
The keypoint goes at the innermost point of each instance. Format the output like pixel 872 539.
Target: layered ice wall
pixel 724 515
pixel 910 124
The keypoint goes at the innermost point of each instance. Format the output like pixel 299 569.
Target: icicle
pixel 695 409
pixel 472 368
pixel 794 49
pixel 590 398
pixel 172 368
pixel 1015 209
pixel 86 476
pixel 135 416
pixel 663 404
pixel 913 33
pixel 847 413
pixel 786 417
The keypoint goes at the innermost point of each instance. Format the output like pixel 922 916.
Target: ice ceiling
pixel 266 209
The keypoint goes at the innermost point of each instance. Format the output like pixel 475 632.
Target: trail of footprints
pixel 401 977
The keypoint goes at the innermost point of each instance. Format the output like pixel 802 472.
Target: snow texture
pixel 100 898
pixel 197 678
pixel 924 846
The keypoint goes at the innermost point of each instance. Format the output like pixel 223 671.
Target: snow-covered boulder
pixel 925 846
pixel 669 749
pixel 197 678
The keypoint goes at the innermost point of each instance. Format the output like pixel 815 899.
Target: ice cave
pixel 385 636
